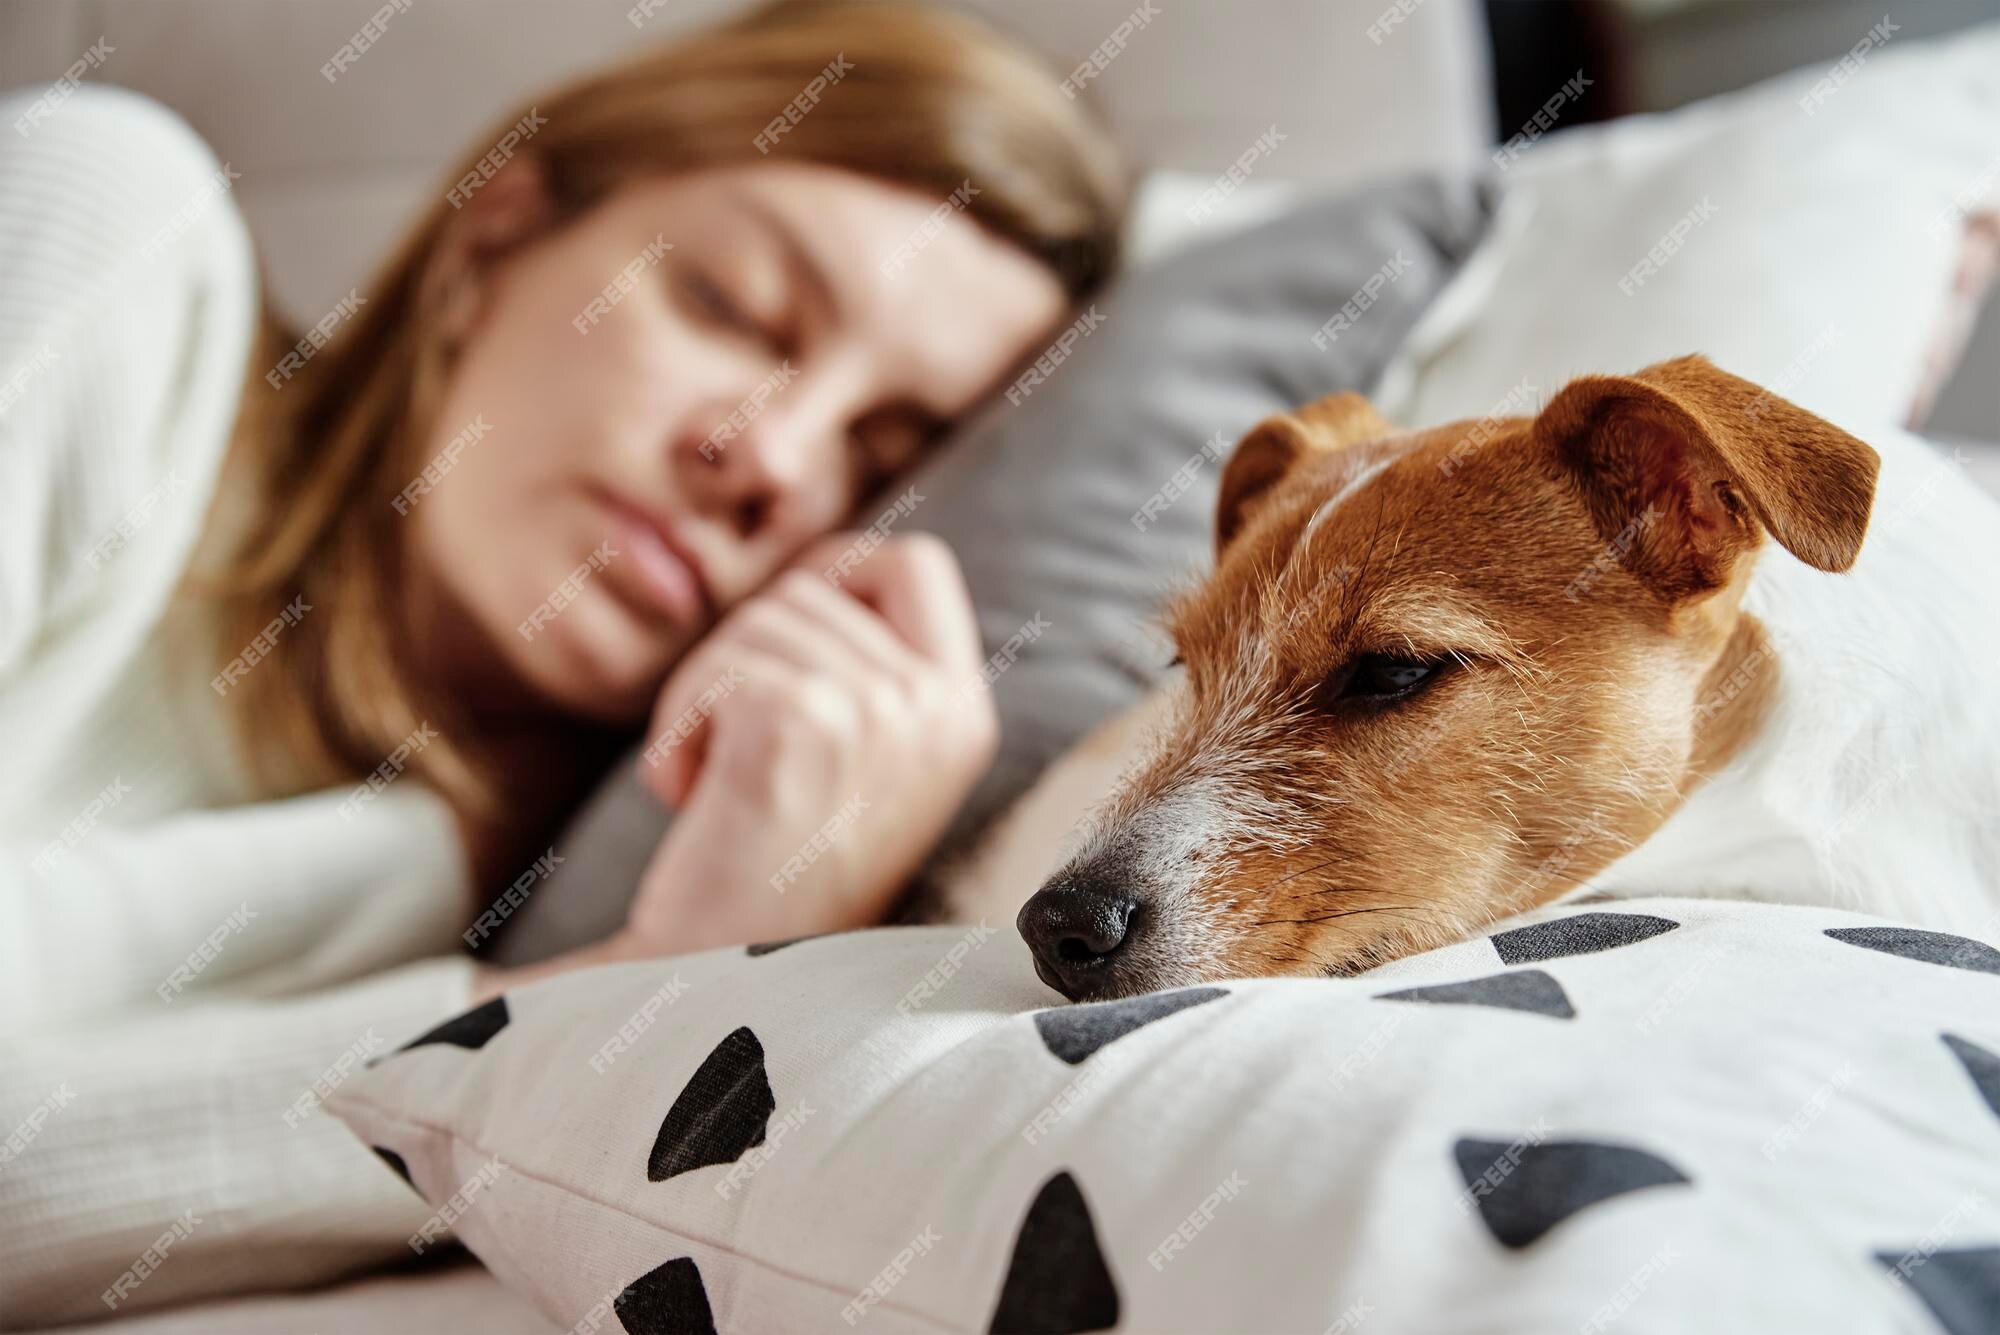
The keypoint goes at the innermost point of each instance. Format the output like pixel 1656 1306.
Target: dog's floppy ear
pixel 1684 467
pixel 1275 444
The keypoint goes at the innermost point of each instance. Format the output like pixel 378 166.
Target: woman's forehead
pixel 936 298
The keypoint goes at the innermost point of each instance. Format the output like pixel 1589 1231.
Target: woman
pixel 301 664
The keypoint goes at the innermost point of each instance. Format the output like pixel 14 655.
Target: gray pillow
pixel 1084 499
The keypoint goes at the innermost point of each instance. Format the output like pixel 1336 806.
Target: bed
pixel 1925 1090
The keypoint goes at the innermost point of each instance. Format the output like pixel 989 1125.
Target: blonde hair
pixel 927 98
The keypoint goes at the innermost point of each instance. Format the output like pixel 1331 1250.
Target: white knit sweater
pixel 132 845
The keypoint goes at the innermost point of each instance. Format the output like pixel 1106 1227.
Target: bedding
pixel 1813 251
pixel 1076 503
pixel 457 1295
pixel 1660 1115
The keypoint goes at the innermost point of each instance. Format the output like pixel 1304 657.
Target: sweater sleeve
pixel 200 1129
pixel 173 985
pixel 288 892
pixel 127 308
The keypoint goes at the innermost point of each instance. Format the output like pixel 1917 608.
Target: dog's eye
pixel 1381 678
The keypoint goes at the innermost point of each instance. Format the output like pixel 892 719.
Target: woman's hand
pixel 815 745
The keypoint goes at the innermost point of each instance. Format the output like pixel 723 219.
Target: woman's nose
pixel 751 469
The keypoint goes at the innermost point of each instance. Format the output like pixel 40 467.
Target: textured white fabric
pixel 1812 251
pixel 1310 1142
pixel 460 1296
pixel 129 839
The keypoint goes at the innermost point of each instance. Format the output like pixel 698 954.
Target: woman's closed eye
pixel 710 301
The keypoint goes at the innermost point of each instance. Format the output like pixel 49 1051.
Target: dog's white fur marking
pixel 1874 784
pixel 1359 478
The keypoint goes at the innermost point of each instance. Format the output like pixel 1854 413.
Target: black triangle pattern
pixel 1057 1280
pixel 1074 1032
pixel 1578 934
pixel 1961 1287
pixel 1955 952
pixel 666 1300
pixel 1982 1064
pixel 395 1161
pixel 722 1111
pixel 768 947
pixel 1548 1183
pixel 1521 990
pixel 474 1029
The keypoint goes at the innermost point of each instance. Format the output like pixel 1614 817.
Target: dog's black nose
pixel 1074 929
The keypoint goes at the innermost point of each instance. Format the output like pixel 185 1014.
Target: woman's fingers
pixel 914 582
pixel 901 621
pixel 867 637
pixel 677 741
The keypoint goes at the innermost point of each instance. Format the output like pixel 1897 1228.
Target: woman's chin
pixel 596 664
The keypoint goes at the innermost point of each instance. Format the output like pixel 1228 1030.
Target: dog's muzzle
pixel 1076 927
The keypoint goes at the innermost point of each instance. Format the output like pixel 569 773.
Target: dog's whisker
pixel 1317 866
pixel 1338 890
pixel 1343 913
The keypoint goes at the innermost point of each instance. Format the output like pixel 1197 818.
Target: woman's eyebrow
pixel 819 291
pixel 796 257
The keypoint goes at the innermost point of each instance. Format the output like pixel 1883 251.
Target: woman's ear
pixel 507 211
pixel 1264 456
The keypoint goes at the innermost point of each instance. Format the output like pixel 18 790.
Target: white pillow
pixel 1809 255
pixel 1170 214
pixel 1679 1108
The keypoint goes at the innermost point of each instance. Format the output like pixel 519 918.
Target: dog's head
pixel 1441 676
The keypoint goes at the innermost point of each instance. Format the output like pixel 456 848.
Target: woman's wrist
pixel 490 980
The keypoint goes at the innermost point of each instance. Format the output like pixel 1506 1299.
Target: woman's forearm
pixel 151 915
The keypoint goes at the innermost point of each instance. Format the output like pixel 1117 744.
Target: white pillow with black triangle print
pixel 1660 1115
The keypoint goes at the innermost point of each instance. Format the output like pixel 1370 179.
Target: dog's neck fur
pixel 1870 780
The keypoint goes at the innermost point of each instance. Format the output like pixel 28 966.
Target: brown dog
pixel 1437 677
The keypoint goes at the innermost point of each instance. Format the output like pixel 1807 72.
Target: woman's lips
pixel 667 577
